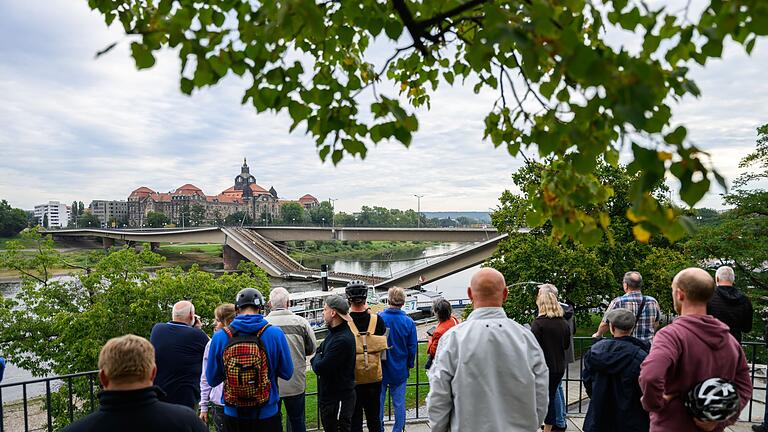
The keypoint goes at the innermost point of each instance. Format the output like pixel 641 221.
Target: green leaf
pixel 187 86
pixel 142 55
pixel 692 192
pixel 677 136
pixel 393 28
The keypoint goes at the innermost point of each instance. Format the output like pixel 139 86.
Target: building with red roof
pixel 188 204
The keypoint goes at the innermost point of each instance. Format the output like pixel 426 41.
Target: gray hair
pixel 725 273
pixel 547 288
pixel 182 309
pixel 633 280
pixel 278 298
pixel 396 296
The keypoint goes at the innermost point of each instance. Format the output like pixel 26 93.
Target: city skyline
pixel 78 128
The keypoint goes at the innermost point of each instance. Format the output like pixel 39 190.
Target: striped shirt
pixel 644 329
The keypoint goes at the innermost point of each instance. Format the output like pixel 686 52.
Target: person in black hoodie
pixel 611 370
pixel 129 402
pixel 334 364
pixel 730 305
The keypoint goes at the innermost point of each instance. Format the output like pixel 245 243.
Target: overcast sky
pixel 76 128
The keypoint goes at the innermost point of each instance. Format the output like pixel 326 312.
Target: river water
pixel 384 265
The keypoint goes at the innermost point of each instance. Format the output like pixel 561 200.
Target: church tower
pixel 244 180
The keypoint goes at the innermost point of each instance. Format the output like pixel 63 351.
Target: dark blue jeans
pixel 294 410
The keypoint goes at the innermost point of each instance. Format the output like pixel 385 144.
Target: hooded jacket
pixel 278 356
pixel 611 369
pixel 691 349
pixel 733 308
pixel 570 357
pixel 334 364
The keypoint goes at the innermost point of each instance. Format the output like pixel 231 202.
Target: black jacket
pixel 554 337
pixel 138 410
pixel 733 308
pixel 334 364
pixel 611 370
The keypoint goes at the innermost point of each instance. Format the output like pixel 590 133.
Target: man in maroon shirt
pixel 695 347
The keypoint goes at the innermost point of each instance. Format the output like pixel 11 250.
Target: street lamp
pixel 333 211
pixel 323 222
pixel 418 210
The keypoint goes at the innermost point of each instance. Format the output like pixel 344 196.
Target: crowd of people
pixel 488 373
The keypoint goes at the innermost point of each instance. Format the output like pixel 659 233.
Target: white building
pixel 55 213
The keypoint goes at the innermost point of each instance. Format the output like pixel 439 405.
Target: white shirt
pixel 489 374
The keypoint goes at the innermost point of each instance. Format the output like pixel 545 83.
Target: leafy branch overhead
pixel 564 92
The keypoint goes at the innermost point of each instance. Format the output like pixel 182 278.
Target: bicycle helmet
pixel 356 290
pixel 714 399
pixel 249 297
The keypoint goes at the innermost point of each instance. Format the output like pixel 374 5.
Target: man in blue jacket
pixel 402 341
pixel 2 368
pixel 611 370
pixel 249 321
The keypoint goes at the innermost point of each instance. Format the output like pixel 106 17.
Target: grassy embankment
pixel 353 249
pixel 183 255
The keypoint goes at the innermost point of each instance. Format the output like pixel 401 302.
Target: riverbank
pixel 183 256
pixel 308 250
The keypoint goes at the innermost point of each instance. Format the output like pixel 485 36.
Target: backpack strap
pixel 261 331
pixel 639 312
pixel 372 324
pixel 230 331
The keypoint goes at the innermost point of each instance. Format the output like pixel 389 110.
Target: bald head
pixel 697 285
pixel 487 288
pixel 184 311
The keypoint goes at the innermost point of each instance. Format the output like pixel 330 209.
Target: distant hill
pixel 482 216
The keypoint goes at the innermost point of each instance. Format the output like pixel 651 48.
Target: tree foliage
pixel 238 218
pixel 88 220
pixel 564 91
pixel 157 219
pixel 58 325
pixel 322 214
pixel 586 276
pixel 292 213
pixel 12 220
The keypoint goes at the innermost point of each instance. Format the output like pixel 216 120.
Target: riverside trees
pixel 587 276
pixel 58 325
pixel 565 89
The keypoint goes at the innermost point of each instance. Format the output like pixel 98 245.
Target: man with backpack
pixel 334 364
pixel 248 356
pixel 370 342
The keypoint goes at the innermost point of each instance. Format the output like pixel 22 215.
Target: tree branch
pixel 450 13
pixel 413 27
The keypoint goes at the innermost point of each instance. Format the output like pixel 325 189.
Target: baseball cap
pixel 340 305
pixel 622 319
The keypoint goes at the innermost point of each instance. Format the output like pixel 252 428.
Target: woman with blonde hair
pixel 554 337
pixel 223 315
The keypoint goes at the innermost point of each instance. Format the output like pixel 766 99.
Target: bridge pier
pixel 107 242
pixel 231 258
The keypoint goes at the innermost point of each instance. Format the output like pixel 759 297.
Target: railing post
pixel 48 404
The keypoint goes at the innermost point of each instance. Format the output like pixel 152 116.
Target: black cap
pixel 249 297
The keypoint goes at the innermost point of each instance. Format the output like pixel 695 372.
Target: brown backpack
pixel 368 352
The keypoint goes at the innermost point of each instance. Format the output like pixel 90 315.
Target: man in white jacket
pixel 489 372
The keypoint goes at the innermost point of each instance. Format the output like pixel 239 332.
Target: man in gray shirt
pixel 301 340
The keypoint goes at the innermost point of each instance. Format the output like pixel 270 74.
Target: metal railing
pixel 60 397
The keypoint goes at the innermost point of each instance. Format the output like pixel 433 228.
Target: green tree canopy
pixel 12 220
pixel 564 91
pixel 323 214
pixel 59 325
pixel 157 219
pixel 586 276
pixel 292 213
pixel 237 218
pixel 88 220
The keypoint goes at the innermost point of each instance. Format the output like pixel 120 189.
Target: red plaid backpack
pixel 246 368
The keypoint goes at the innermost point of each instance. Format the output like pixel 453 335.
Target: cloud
pixel 77 128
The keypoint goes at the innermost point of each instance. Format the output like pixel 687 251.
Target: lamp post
pixel 418 210
pixel 333 211
pixel 323 222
